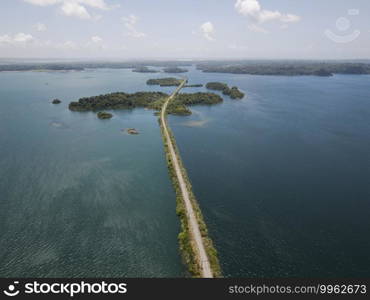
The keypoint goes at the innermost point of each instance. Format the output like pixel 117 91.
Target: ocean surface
pixel 78 196
pixel 282 177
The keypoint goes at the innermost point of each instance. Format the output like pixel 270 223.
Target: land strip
pixel 194 234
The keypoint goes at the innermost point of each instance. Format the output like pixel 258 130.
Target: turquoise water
pixel 79 197
pixel 282 178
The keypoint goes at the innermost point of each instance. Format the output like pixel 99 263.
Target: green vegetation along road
pixel 196 236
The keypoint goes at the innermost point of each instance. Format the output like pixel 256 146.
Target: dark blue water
pixel 79 197
pixel 283 176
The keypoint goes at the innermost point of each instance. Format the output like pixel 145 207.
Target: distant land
pixel 144 69
pixel 174 70
pixel 256 67
pixel 80 66
pixel 286 68
pixel 169 81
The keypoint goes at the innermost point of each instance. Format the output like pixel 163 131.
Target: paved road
pixel 197 240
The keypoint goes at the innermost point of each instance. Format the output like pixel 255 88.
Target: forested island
pixel 217 86
pixel 286 68
pixel 56 101
pixel 104 115
pixel 233 92
pixel 144 69
pixel 179 105
pixel 170 81
pixel 192 85
pixel 174 70
pixel 132 131
pixel 116 101
pixel 151 100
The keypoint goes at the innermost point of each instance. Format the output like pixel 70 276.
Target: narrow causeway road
pixel 197 241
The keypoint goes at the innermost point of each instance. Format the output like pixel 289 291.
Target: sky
pixel 192 29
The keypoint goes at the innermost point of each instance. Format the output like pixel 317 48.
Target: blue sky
pixel 126 29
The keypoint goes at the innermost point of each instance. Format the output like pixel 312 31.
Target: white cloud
pixel 258 15
pixel 237 47
pixel 256 28
pixel 289 18
pixel 73 9
pixel 5 39
pixel 131 19
pixel 95 43
pixel 40 27
pixel 130 24
pixel 18 39
pixel 23 38
pixel 69 45
pixel 96 39
pixel 208 31
pixel 43 2
pixel 283 26
pixel 92 46
pixel 100 4
pixel 248 7
pixel 76 8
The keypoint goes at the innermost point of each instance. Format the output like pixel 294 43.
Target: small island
pixel 233 93
pixel 56 101
pixel 217 86
pixel 104 115
pixel 174 70
pixel 144 70
pixel 170 81
pixel 132 131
